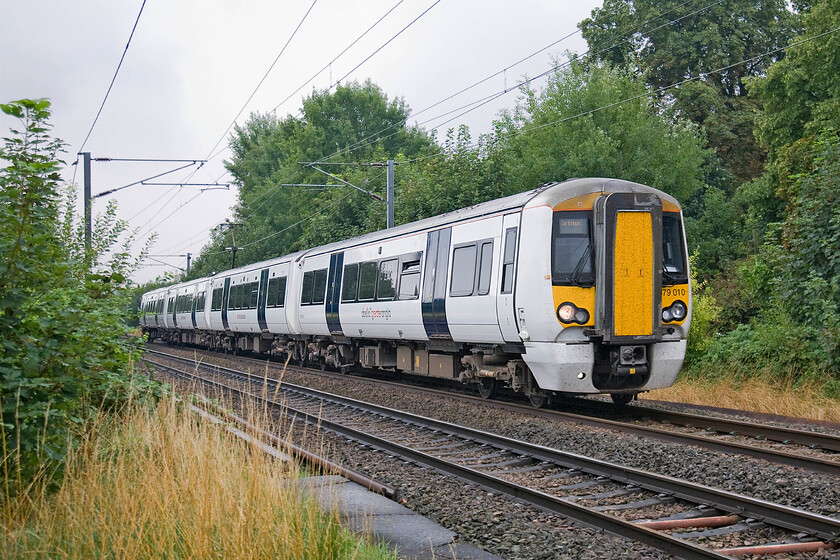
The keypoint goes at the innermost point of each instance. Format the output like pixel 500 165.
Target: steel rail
pixel 559 506
pixel 799 521
pixel 773 433
pixel 782 434
pixel 295 451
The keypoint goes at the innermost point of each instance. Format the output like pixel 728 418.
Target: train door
pixel 434 283
pixel 505 309
pixel 334 293
pixel 193 304
pixel 261 300
pixel 630 278
pixel 225 295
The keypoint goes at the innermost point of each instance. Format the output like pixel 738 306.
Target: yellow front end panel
pixel 633 274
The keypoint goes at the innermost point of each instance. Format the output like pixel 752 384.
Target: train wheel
pixel 487 387
pixel 538 400
pixel 322 363
pixel 622 399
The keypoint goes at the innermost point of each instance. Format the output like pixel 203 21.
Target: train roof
pixel 547 194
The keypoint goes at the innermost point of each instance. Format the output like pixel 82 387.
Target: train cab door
pixel 507 278
pixel 629 273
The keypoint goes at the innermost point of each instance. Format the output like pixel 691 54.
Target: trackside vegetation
pixel 98 461
pixel 65 353
pixel 157 481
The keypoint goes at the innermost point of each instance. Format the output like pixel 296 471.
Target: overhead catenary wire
pixel 269 194
pixel 211 155
pixel 339 55
pixel 171 213
pixel 520 85
pixel 487 99
pixel 270 68
pixel 400 32
pixel 114 79
pixel 653 93
pixel 397 34
pixel 307 218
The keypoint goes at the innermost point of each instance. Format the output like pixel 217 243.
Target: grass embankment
pixel 765 393
pixel 165 483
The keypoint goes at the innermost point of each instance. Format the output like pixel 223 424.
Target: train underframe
pixel 620 371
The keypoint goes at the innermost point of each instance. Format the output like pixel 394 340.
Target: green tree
pixel 800 95
pixel 599 121
pixel 356 124
pixel 462 174
pixel 672 41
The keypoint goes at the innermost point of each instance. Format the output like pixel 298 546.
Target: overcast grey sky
pixel 192 64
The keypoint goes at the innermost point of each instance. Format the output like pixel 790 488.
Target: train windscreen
pixel 571 249
pixel 673 250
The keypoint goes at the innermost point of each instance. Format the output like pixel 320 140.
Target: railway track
pixel 815 451
pixel 670 514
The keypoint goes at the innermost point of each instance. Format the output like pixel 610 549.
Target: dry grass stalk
pixel 164 483
pixel 760 393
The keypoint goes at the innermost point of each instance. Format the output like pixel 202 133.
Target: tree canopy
pixel 671 42
pixel 356 125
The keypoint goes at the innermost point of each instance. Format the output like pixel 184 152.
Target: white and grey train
pixel 575 287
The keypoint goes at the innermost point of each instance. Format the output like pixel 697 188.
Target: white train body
pixel 575 287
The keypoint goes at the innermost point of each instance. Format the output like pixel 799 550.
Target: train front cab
pixel 619 293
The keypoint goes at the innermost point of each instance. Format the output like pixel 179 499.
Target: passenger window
pixel 351 282
pixel 320 288
pixel 410 280
pixel 386 287
pixel 255 295
pixel 485 268
pixel 281 292
pixel 271 298
pixel 306 291
pixel 367 281
pixel 463 271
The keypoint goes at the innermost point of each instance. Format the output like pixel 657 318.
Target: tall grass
pixel 160 482
pixel 766 392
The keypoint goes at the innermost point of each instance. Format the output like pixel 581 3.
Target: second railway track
pixel 588 487
pixel 812 450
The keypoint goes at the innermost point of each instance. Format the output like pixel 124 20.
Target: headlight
pixel 675 312
pixel 566 313
pixel 582 316
pixel 679 310
pixel 569 313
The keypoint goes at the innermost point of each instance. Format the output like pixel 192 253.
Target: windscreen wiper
pixel 667 278
pixel 584 258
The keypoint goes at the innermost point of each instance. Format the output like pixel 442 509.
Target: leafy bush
pixel 65 347
pixel 704 313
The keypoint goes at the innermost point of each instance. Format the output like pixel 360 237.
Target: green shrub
pixel 65 346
